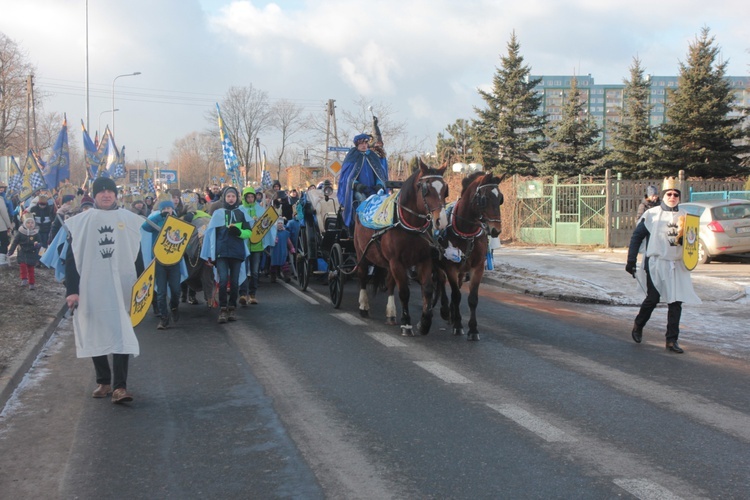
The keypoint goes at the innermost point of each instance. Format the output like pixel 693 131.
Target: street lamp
pixel 113 96
pixel 106 111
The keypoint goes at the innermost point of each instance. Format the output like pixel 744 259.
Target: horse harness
pixel 469 238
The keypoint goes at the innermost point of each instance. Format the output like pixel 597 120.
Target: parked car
pixel 725 227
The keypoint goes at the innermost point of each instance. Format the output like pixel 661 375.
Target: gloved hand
pixel 359 187
pixel 630 268
pixel 234 231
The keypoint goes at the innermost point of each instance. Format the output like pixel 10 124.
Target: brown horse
pixel 419 210
pixel 475 214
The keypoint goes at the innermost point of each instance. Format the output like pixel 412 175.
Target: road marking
pixel 349 319
pixel 386 340
pixel 300 294
pixel 546 431
pixel 443 372
pixel 323 299
pixel 709 412
pixel 645 490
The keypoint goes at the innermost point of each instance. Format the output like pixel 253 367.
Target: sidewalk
pixel 592 276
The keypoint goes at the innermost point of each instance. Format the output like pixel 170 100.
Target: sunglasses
pixel 672 194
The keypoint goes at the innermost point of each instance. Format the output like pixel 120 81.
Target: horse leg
pixel 364 300
pixel 455 307
pixel 440 279
pixel 390 307
pixel 476 278
pixel 401 279
pixel 425 277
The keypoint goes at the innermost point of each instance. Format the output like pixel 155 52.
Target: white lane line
pixel 323 298
pixel 443 372
pixel 645 490
pixel 546 431
pixel 300 294
pixel 386 340
pixel 349 319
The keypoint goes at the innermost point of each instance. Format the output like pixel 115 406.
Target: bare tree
pixel 14 70
pixel 288 118
pixel 199 158
pixel 245 111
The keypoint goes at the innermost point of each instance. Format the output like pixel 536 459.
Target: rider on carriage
pixel 363 172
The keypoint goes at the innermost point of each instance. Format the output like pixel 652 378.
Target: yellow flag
pixel 691 229
pixel 263 225
pixel 172 240
pixel 143 293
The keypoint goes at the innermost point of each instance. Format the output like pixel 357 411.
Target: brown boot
pixel 121 395
pixel 230 314
pixel 223 315
pixel 102 391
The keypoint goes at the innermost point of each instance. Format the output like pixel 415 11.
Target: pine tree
pixel 633 138
pixel 458 145
pixel 700 136
pixel 573 142
pixel 510 131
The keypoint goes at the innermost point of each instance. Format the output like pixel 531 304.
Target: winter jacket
pixel 28 246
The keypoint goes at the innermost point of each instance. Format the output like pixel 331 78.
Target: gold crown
pixel 670 183
pixel 67 189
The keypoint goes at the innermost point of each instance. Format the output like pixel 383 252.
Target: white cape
pixel 105 245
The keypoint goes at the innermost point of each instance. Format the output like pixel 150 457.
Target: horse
pixel 408 242
pixel 475 215
pixel 200 275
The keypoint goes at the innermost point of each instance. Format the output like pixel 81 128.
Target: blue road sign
pixel 338 148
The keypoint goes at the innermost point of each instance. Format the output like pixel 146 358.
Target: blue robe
pixel 366 168
pixel 208 250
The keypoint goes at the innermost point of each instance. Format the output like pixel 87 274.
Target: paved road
pixel 300 400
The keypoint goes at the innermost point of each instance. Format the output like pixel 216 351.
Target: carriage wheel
pixel 335 278
pixel 302 261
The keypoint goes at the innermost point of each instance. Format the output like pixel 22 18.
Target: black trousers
pixel 674 311
pixel 4 240
pixel 119 367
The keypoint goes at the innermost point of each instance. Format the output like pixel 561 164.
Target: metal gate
pixel 562 214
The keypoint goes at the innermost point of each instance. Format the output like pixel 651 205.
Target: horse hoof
pixel 473 336
pixel 458 331
pixel 391 320
pixel 364 313
pixel 407 332
pixel 445 315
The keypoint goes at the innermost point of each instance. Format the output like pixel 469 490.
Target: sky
pixel 424 59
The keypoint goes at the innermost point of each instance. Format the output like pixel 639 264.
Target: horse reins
pixel 427 216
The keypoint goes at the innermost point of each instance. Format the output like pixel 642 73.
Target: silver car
pixel 725 227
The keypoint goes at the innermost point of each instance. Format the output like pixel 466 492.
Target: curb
pixel 18 368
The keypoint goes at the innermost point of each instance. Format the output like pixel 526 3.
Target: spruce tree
pixel 633 138
pixel 510 130
pixel 457 146
pixel 573 141
pixel 700 136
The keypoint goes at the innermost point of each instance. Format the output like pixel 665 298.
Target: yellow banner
pixel 690 232
pixel 143 293
pixel 263 225
pixel 172 240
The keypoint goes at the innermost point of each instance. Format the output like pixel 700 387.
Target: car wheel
pixel 703 257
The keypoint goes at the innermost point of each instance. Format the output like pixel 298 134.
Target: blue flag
pixel 231 162
pixel 15 178
pixel 92 157
pixel 148 181
pixel 113 161
pixel 57 168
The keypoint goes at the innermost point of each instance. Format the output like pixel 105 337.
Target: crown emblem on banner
pixel 670 183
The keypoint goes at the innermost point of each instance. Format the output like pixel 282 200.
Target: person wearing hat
pixel 650 200
pixel 100 271
pixel 66 207
pixel 362 174
pixel 167 278
pixel 44 214
pixel 26 240
pixel 663 274
pixel 225 246
pixel 149 202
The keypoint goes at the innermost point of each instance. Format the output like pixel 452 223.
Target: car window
pixel 693 209
pixel 730 212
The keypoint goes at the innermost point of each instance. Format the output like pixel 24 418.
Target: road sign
pixel 335 167
pixel 168 176
pixel 338 148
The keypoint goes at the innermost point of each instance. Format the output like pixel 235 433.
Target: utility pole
pixel 257 160
pixel 30 114
pixel 330 118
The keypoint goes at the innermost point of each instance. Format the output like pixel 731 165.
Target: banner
pixel 231 162
pixel 143 293
pixel 263 225
pixel 172 240
pixel 57 168
pixel 92 157
pixel 32 179
pixel 690 231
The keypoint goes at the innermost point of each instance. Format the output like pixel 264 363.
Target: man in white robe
pixel 663 275
pixel 99 275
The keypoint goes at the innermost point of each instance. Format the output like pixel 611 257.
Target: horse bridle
pixel 482 202
pixel 428 215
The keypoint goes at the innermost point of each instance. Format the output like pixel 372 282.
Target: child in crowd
pixel 28 244
pixel 280 252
